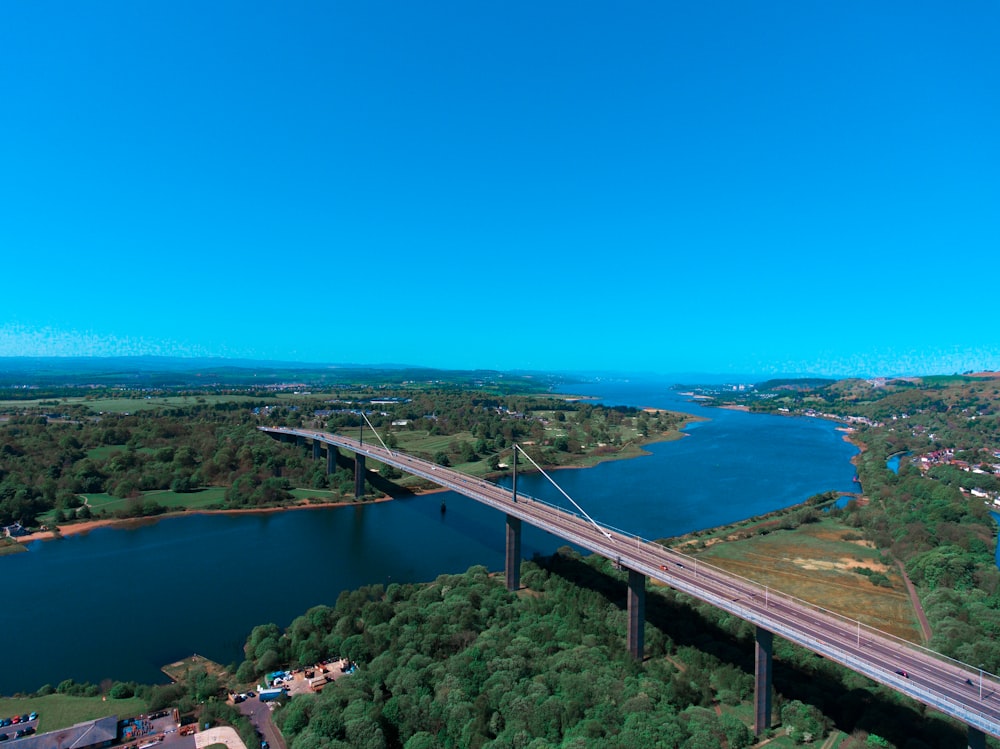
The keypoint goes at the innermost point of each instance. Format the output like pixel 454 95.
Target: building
pixel 92 734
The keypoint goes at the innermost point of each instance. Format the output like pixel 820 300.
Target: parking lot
pixel 16 726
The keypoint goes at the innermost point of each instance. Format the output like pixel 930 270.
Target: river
pixel 120 603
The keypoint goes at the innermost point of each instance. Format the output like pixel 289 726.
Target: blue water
pixel 892 463
pixel 120 603
pixel 996 554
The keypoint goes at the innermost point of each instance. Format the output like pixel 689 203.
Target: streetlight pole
pixel 515 472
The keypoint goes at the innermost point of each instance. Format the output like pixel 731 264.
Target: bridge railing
pixel 751 585
pixel 767 592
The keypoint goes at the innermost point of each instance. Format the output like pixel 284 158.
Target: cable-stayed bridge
pixel 958 690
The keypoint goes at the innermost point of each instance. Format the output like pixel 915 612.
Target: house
pixel 92 734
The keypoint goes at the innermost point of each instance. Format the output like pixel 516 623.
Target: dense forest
pixel 462 662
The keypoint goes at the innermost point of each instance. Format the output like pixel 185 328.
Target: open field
pixel 317 495
pixel 816 562
pixel 106 451
pixel 209 497
pixel 131 405
pixel 57 711
pixel 422 441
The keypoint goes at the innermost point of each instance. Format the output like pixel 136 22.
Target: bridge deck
pixel 953 688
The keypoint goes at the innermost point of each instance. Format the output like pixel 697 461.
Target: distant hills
pixel 151 371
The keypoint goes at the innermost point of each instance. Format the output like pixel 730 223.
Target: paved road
pixel 260 715
pixel 955 689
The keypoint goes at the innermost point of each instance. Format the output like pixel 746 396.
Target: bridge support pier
pixel 636 614
pixel 300 440
pixel 331 459
pixel 977 739
pixel 512 572
pixel 764 649
pixel 359 475
pixel 317 449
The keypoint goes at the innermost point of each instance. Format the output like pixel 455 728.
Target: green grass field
pixel 131 405
pixel 209 497
pixel 317 495
pixel 106 451
pixel 816 563
pixel 57 711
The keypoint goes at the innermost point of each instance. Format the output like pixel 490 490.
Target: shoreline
pixel 85 526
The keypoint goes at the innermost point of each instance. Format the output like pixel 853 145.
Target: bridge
pixel 955 689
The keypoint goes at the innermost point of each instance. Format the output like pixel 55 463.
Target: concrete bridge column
pixel 636 614
pixel 977 739
pixel 513 558
pixel 331 459
pixel 762 681
pixel 317 449
pixel 300 440
pixel 359 475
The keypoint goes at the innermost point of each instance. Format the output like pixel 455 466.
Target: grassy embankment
pixel 816 562
pixel 57 711
pixel 10 546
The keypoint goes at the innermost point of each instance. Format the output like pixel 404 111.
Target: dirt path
pixel 925 625
pixel 830 739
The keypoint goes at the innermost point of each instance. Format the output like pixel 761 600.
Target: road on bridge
pixel 953 688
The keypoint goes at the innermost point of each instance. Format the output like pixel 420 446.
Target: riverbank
pixel 85 526
pixel 631 450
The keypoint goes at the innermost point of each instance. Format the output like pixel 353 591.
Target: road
pixel 955 689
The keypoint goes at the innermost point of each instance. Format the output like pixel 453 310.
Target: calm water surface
pixel 120 603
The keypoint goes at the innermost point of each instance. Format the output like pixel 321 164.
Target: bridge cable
pixel 584 512
pixel 362 412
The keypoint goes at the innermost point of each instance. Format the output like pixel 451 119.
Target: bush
pixel 121 691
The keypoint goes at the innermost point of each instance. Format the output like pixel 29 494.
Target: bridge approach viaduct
pixel 953 688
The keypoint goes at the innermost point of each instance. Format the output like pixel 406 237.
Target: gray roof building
pixel 92 733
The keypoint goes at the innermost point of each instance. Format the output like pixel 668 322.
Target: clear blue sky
pixel 723 187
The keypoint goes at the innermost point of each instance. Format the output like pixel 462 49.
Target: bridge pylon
pixel 977 739
pixel 763 661
pixel 359 475
pixel 636 637
pixel 512 571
